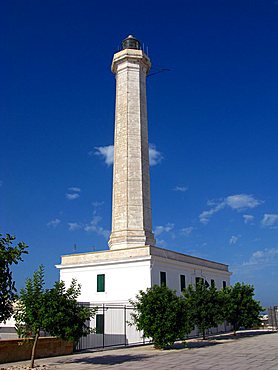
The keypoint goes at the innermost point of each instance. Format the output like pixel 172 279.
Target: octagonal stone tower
pixel 131 204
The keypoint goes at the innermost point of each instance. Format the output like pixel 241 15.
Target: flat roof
pixel 134 253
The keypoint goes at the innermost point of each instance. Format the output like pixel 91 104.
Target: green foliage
pixel 9 255
pixel 239 306
pixel 65 317
pixel 204 306
pixel 165 317
pixel 54 310
pixel 29 312
pixel 161 315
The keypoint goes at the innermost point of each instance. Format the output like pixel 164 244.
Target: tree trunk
pixel 204 333
pixel 34 349
pixel 234 329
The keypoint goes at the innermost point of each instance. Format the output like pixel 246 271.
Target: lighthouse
pixel 131 203
pixel 133 262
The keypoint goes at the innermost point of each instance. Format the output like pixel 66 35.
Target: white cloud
pixel 163 229
pixel 97 204
pixel 73 226
pixel 270 220
pixel 248 218
pixel 180 188
pixel 187 230
pixel 54 223
pixel 107 153
pixel 238 202
pixel 94 226
pixel 242 201
pixel 205 216
pixel 263 257
pixel 95 221
pixel 233 240
pixel 154 155
pixel 72 196
pixel 212 202
pixel 74 193
pixel 161 243
pixel 74 189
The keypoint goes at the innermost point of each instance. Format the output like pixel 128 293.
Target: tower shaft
pixel 131 205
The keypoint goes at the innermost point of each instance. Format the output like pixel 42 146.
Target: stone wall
pixel 12 350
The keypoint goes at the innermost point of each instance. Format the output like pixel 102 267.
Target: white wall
pixel 123 280
pixel 174 269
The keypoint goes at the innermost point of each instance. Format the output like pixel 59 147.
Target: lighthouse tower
pixel 133 262
pixel 131 204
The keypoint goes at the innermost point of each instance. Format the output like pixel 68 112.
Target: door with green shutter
pixel 99 324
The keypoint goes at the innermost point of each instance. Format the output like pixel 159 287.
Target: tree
pixel 239 306
pixel 9 255
pixel 54 310
pixel 204 305
pixel 66 318
pixel 161 315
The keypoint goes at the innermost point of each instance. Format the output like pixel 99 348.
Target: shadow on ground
pixel 196 344
pixel 219 339
pixel 241 334
pixel 108 359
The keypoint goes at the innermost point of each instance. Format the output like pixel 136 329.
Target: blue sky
pixel 212 126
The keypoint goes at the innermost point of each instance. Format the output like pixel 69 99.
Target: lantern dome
pixel 131 43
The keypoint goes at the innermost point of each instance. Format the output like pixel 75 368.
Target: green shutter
pixel 182 281
pixel 99 324
pixel 162 278
pixel 101 283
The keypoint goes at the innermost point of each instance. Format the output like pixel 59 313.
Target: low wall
pixel 12 350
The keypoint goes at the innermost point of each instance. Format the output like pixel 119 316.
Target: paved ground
pixel 246 352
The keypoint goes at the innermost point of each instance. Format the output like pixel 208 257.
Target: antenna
pixel 159 71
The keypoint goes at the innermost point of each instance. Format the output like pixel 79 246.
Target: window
pixel 99 324
pixel 212 282
pixel 199 280
pixel 101 283
pixel 224 284
pixel 162 278
pixel 182 282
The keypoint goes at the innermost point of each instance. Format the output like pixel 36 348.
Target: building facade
pixel 115 277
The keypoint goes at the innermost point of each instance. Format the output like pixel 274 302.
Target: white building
pixel 133 262
pixel 116 276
